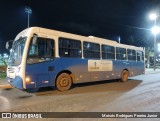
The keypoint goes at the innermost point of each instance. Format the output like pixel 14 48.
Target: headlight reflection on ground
pixel 4 103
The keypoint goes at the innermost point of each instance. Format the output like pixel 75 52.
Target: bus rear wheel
pixel 124 76
pixel 64 82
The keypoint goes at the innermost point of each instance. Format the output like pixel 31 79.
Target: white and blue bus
pixel 42 58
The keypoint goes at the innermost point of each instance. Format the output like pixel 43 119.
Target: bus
pixel 41 57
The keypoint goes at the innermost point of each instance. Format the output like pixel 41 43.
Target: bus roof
pixel 77 37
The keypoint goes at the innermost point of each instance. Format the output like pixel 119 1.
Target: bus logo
pixel 94 66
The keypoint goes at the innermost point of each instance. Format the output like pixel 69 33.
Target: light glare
pixel 155 30
pixel 153 16
pixel 158 48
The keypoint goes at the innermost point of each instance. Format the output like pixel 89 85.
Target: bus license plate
pixel 11 75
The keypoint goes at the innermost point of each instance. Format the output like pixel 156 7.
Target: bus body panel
pixel 43 77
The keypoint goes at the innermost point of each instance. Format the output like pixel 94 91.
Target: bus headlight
pixel 28 80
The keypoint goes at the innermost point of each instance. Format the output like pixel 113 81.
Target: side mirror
pixel 7 45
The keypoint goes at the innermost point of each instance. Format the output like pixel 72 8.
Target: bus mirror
pixel 34 40
pixel 10 51
pixel 7 45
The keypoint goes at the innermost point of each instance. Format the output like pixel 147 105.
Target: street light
pixel 155 30
pixel 153 16
pixel 29 11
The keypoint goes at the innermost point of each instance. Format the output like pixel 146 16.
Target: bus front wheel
pixel 124 76
pixel 64 82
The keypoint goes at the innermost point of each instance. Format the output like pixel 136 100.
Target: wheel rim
pixel 125 76
pixel 64 82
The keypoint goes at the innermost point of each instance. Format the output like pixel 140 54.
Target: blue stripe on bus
pixel 43 76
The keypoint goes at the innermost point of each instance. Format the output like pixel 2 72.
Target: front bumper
pixel 16 82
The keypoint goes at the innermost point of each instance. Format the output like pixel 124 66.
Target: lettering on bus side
pixel 100 65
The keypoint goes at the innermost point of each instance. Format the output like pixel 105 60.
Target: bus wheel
pixel 64 82
pixel 124 76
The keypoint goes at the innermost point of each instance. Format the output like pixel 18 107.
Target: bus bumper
pixel 16 82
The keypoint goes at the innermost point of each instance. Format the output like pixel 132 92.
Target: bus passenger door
pixel 39 62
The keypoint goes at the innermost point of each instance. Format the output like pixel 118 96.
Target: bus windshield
pixel 17 52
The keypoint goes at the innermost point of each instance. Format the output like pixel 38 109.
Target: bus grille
pixel 11 70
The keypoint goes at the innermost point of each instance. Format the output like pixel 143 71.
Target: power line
pixel 134 27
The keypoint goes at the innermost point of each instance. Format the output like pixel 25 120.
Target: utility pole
pixel 29 11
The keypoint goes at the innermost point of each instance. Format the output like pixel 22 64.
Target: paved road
pixel 139 94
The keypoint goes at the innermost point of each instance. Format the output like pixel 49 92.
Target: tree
pixel 4 65
pixel 4 62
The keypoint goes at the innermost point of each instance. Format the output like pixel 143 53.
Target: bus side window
pixel 69 48
pixel 131 54
pixel 108 52
pixel 140 55
pixel 120 53
pixel 91 50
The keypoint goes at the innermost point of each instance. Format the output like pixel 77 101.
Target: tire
pixel 124 76
pixel 64 82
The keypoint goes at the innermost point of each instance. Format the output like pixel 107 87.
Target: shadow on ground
pixel 102 86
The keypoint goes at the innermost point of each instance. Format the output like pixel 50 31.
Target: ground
pixel 139 94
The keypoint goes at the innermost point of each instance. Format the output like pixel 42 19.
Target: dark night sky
pixel 102 18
